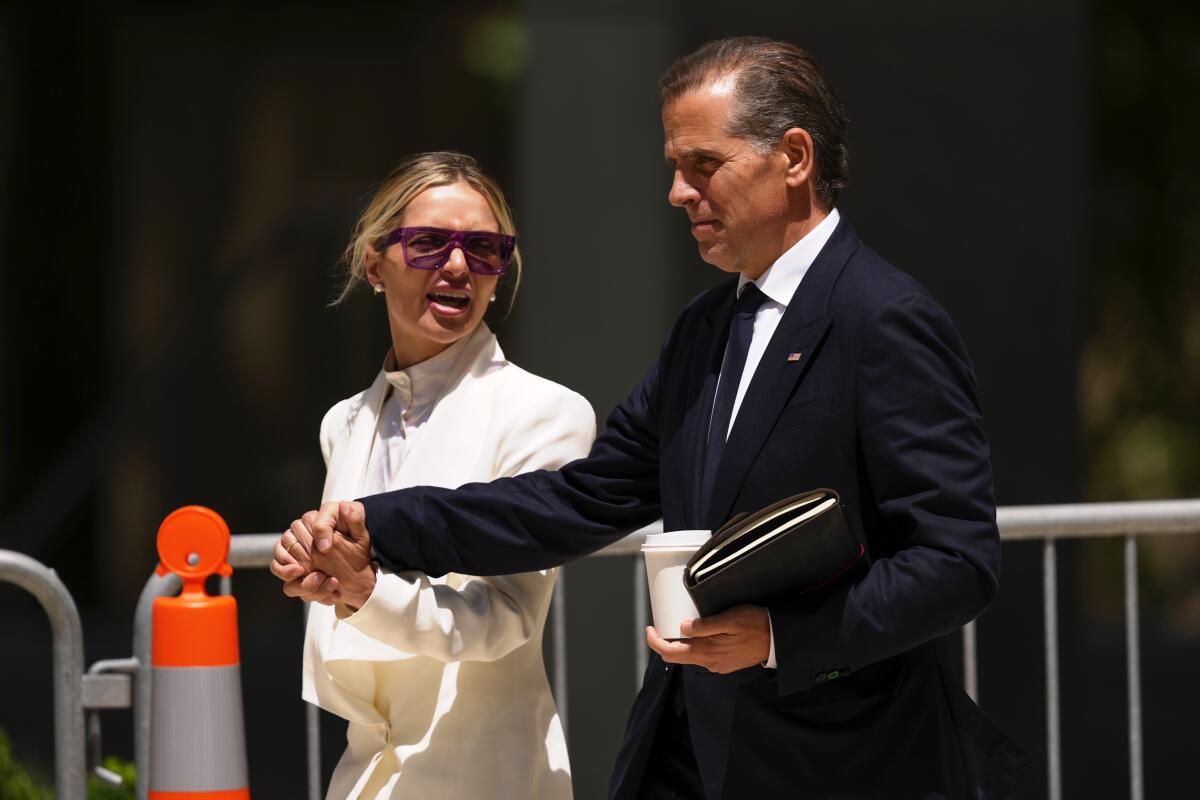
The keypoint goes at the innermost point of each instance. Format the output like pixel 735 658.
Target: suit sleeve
pixel 536 520
pixel 481 619
pixel 926 463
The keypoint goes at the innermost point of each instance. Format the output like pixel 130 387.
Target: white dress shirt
pixel 779 284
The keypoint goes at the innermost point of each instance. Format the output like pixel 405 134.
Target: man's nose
pixel 682 193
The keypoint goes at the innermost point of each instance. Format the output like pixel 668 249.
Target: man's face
pixel 735 197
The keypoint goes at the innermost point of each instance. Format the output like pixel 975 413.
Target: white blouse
pixel 411 395
pixel 442 678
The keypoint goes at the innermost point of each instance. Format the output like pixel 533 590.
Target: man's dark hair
pixel 777 86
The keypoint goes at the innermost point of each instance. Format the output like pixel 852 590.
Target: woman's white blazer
pixel 442 679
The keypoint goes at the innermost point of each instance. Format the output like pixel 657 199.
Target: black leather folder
pixel 796 545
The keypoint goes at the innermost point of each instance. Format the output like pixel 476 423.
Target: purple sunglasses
pixel 487 253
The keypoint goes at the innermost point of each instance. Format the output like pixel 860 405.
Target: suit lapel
pixel 783 364
pixel 792 348
pixel 703 374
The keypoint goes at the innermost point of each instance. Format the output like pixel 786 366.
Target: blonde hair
pixel 408 179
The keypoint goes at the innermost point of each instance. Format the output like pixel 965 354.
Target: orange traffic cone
pixel 197 739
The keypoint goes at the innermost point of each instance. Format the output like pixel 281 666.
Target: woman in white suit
pixel 441 679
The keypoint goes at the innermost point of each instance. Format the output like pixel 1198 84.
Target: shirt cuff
pixel 770 662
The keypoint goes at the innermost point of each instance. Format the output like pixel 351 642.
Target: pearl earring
pixel 493 299
pixel 378 288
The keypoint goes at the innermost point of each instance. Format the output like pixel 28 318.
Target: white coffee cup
pixel 666 555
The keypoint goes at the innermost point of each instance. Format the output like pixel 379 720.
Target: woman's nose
pixel 456 262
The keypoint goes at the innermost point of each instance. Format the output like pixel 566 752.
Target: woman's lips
pixel 448 305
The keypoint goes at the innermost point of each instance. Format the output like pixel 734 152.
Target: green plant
pixel 98 790
pixel 15 781
pixel 17 784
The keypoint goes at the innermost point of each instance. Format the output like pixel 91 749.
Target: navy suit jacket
pixel 880 404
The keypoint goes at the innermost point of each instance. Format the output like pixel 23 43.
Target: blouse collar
pixel 424 382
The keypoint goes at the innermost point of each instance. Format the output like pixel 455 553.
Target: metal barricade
pixel 67 636
pixel 1085 521
pixel 109 684
pixel 1047 523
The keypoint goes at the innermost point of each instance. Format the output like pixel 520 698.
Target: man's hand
pixel 723 643
pixel 333 569
pixel 348 519
pixel 348 556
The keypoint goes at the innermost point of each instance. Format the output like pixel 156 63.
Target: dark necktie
pixel 741 331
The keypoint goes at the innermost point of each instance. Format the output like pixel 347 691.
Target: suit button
pixel 822 677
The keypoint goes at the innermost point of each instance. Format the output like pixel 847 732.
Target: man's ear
pixel 797 147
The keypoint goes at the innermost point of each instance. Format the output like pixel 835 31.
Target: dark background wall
pixel 176 186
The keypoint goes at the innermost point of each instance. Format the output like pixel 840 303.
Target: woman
pixel 441 679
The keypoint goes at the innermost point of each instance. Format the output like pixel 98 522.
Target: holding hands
pixel 325 556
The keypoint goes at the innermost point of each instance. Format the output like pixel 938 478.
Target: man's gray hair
pixel 777 86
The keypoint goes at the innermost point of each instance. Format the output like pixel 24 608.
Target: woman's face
pixel 429 310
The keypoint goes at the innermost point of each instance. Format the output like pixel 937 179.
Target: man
pixel 819 365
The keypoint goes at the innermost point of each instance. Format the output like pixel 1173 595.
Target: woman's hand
pixel 292 564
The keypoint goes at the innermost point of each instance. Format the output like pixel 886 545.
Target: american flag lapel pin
pixel 795 356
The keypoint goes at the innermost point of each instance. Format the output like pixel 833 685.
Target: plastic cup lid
pixel 672 539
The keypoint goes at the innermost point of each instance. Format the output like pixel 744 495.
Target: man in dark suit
pixel 818 365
